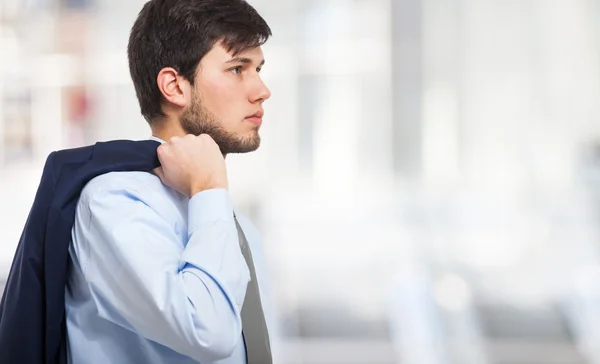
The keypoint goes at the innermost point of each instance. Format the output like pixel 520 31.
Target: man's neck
pixel 165 135
pixel 165 132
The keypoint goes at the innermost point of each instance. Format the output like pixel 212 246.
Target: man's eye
pixel 237 70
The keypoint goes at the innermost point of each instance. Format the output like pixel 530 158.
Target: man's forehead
pixel 254 54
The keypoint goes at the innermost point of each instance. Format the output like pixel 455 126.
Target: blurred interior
pixel 428 187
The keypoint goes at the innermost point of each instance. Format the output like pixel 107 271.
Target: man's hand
pixel 192 164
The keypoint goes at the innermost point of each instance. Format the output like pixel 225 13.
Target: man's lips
pixel 256 117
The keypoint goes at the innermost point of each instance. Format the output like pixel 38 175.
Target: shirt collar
pixel 157 139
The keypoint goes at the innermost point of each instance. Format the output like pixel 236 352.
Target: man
pixel 157 273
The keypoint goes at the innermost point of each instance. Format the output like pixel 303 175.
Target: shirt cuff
pixel 209 206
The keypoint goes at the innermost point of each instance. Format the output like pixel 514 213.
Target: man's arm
pixel 140 278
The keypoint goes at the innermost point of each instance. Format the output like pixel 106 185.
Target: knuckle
pixel 202 138
pixel 164 150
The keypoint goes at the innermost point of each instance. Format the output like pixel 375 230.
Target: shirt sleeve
pixel 184 295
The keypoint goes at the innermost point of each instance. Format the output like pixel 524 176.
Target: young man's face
pixel 227 100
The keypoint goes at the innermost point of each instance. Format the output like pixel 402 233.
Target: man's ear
pixel 174 87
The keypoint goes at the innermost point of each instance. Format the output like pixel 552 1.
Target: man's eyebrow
pixel 244 60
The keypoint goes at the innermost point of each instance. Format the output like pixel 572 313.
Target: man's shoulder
pixel 135 183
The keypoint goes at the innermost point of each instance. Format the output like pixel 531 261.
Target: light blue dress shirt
pixel 155 277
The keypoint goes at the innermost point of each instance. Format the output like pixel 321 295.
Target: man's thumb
pixel 159 172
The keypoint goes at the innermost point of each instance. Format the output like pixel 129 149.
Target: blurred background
pixel 428 187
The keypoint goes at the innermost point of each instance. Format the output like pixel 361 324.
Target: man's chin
pixel 245 146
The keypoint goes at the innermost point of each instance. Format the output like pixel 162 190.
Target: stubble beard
pixel 197 120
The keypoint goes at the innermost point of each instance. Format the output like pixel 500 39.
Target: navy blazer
pixel 32 310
